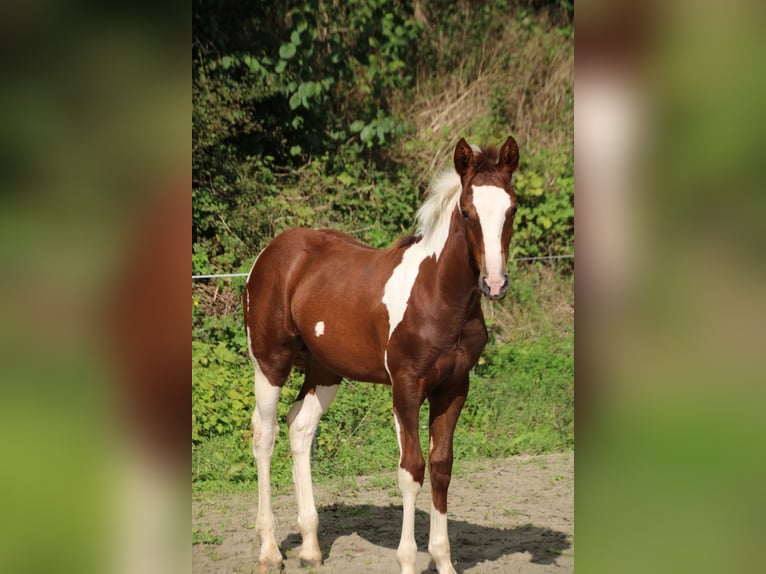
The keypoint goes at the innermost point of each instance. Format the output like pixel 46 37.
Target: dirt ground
pixel 512 515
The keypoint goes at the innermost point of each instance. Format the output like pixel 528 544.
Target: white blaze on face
pixel 319 329
pixel 492 203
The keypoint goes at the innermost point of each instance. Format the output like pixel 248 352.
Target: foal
pixel 408 316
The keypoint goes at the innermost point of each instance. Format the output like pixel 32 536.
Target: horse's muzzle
pixel 494 289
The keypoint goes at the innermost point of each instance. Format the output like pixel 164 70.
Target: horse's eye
pixel 514 209
pixel 464 213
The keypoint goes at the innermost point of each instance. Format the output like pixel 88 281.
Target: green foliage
pixel 522 400
pixel 205 537
pixel 288 109
pixel 544 224
pixel 221 395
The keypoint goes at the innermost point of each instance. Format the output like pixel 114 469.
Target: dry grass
pixel 540 303
pixel 516 81
pixel 216 300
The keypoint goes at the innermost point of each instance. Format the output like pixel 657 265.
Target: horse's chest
pixel 435 354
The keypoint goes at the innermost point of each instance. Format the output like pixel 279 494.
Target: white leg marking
pixel 319 329
pixel 265 429
pixel 398 436
pixel 438 542
pixel 302 420
pixel 408 548
pixel 491 204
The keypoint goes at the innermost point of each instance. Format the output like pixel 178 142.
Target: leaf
pixel 367 133
pixel 234 469
pixel 356 126
pixel 295 150
pixel 345 179
pixel 287 51
pixel 295 100
pixel 306 90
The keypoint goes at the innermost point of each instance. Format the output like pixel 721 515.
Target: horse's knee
pixel 412 461
pixel 264 433
pixel 441 472
pixel 411 479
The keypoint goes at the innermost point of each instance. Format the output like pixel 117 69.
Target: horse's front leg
pixel 412 468
pixel 446 405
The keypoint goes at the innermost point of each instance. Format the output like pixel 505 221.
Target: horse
pixel 408 316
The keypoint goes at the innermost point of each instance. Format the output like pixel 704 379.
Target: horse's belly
pixel 353 354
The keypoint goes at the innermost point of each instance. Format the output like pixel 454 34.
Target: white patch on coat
pixel 492 204
pixel 433 222
pixel 319 329
pixel 396 293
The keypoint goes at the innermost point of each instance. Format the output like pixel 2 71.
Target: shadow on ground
pixel 471 543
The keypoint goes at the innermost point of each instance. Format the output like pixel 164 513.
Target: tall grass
pixel 490 73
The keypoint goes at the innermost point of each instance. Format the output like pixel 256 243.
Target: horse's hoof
pixel 310 563
pixel 268 567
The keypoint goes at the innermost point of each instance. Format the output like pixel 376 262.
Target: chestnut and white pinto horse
pixel 408 316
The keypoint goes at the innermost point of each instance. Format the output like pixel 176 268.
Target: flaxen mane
pixel 444 192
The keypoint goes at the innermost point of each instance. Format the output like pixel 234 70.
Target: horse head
pixel 488 204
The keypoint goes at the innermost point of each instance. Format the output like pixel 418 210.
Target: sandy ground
pixel 511 515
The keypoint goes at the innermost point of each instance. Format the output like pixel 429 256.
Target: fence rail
pixel 224 275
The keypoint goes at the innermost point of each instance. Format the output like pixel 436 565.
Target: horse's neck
pixel 457 277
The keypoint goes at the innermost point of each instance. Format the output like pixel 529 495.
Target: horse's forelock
pixel 486 160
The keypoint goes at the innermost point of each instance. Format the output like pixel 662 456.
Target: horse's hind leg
pixel 317 393
pixel 265 429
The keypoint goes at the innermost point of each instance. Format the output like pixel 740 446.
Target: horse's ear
pixel 463 157
pixel 508 159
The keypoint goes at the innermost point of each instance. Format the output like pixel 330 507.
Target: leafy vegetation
pixel 321 114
